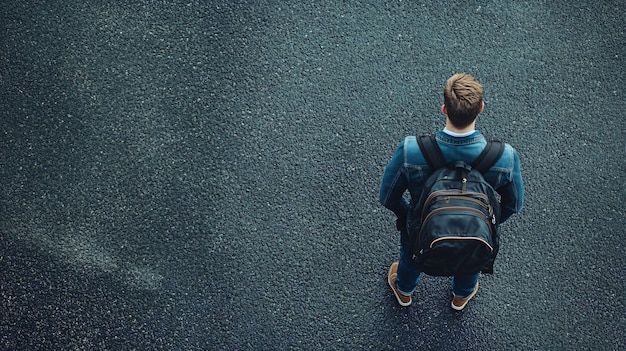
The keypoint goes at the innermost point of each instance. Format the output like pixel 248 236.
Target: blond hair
pixel 463 97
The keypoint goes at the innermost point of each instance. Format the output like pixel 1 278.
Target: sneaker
pixel 403 300
pixel 458 303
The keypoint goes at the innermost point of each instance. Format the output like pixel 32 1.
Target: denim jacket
pixel 408 170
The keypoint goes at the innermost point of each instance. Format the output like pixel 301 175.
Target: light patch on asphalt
pixel 80 251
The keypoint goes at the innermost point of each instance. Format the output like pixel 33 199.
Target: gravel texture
pixel 203 175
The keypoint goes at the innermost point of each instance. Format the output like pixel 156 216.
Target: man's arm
pixel 394 184
pixel 512 194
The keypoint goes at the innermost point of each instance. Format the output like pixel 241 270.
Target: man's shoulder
pixel 507 160
pixel 411 151
pixel 410 140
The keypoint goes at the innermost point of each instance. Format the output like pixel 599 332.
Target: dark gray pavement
pixel 203 175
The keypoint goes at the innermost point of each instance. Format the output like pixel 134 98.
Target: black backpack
pixel 454 226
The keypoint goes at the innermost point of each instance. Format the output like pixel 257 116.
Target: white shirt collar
pixel 458 135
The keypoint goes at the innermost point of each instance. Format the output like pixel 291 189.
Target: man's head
pixel 463 100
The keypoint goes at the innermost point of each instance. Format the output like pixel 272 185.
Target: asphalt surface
pixel 203 175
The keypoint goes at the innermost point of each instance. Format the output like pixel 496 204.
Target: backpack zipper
pixel 458 208
pixel 461 238
pixel 464 198
pixel 452 193
pixel 447 194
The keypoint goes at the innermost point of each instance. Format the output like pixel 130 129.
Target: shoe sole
pixel 392 276
pixel 459 308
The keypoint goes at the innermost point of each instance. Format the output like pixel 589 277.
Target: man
pixel 459 140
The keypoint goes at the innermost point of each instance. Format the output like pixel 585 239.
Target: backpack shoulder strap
pixel 431 151
pixel 489 156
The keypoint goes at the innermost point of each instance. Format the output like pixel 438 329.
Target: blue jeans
pixel 408 274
